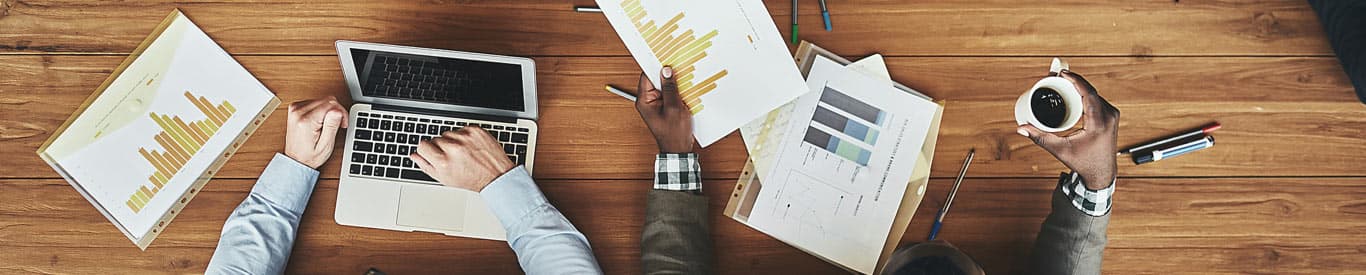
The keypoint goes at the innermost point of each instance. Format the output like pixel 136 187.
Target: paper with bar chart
pixel 157 127
pixel 843 165
pixel 729 60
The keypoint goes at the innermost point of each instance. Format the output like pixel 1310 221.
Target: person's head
pixel 933 257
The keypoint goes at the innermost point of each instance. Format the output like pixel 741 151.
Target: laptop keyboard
pixel 382 143
pixel 424 80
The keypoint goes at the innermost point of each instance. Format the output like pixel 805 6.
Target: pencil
pixel 825 15
pixel 943 211
pixel 620 92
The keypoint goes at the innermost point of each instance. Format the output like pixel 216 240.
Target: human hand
pixel 665 113
pixel 1089 151
pixel 311 131
pixel 468 158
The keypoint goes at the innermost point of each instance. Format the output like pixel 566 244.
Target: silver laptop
pixel 404 95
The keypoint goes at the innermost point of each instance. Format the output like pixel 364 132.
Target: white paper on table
pixel 831 204
pixel 762 135
pixel 756 72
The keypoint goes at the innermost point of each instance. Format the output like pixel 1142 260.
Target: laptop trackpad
pixel 440 208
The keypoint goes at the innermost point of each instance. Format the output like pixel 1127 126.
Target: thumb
pixel 331 123
pixel 1046 140
pixel 668 87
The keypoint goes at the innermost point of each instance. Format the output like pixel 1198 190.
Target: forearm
pixel 544 240
pixel 676 236
pixel 1072 237
pixel 259 234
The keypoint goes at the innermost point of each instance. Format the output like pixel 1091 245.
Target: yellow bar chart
pixel 179 141
pixel 681 51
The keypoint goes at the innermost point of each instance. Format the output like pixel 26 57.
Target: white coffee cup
pixel 1024 113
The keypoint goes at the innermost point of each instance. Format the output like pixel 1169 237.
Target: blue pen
pixel 1161 154
pixel 939 218
pixel 825 14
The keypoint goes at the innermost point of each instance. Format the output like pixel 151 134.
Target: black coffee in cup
pixel 1048 107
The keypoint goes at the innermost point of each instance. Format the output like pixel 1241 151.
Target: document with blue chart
pixel 843 166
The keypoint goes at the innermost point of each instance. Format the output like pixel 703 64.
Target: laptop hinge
pixel 474 116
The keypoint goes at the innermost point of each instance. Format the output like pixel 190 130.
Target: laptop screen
pixel 440 80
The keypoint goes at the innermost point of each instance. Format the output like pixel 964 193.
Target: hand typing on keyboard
pixel 467 158
pixel 312 130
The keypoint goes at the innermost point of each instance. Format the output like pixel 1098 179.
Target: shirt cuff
pixel 678 172
pixel 286 183
pixel 1092 202
pixel 513 195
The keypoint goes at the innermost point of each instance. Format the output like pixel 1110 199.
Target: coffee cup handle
pixel 1057 67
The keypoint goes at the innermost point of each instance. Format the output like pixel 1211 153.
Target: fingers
pixel 648 97
pixel 428 150
pixel 422 163
pixel 1046 140
pixel 1078 80
pixel 669 87
pixel 332 121
pixel 1098 111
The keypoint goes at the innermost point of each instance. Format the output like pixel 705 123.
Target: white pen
pixel 620 92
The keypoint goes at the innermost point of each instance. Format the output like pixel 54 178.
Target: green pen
pixel 794 21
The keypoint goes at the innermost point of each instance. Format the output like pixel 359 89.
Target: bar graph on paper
pixel 845 126
pixel 682 51
pixel 179 141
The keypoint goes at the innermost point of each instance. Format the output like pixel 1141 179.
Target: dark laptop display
pixel 441 80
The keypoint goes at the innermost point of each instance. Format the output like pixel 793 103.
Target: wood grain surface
pixel 1284 191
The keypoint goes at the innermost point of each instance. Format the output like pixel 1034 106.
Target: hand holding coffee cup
pixel 1053 104
pixel 1090 148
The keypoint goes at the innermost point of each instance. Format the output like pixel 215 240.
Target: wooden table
pixel 1284 191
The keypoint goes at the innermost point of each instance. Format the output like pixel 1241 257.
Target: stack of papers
pixel 843 167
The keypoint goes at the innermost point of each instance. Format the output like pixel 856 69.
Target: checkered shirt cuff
pixel 678 172
pixel 1092 202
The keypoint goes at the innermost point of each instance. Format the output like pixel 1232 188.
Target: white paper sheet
pixel 732 63
pixel 838 199
pixel 763 135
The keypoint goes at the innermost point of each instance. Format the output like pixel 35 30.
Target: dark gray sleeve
pixel 1345 24
pixel 676 238
pixel 1069 242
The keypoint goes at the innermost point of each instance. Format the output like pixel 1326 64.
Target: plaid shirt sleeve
pixel 678 172
pixel 1091 202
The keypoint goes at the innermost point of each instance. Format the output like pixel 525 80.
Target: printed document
pixel 843 165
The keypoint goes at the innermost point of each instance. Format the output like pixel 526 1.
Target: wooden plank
pixel 1253 225
pixel 549 27
pixel 1282 116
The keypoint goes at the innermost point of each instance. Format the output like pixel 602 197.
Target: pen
pixel 794 21
pixel 588 9
pixel 1203 130
pixel 825 14
pixel 939 218
pixel 1161 154
pixel 620 92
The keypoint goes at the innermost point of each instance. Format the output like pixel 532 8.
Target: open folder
pixel 149 138
pixel 760 138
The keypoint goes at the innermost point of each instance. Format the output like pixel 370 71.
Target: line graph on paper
pixel 816 208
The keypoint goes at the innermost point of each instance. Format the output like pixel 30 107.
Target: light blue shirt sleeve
pixel 545 242
pixel 259 235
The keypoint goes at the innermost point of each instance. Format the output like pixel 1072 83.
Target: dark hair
pixel 929 265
